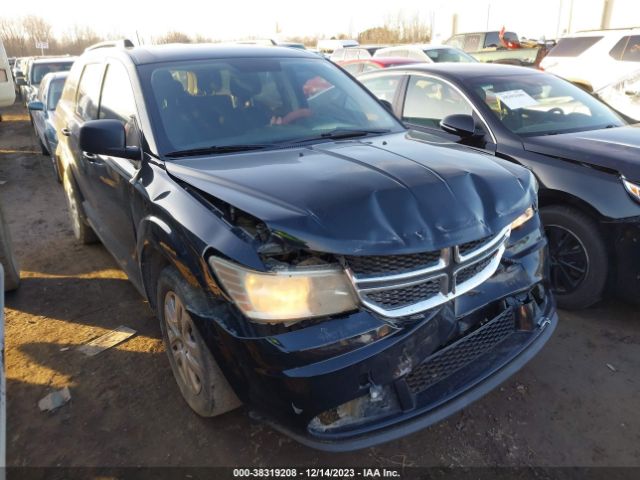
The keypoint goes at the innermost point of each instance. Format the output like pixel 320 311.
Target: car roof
pixel 55 75
pixel 184 52
pixel 380 60
pixel 481 33
pixel 54 60
pixel 469 70
pixel 614 32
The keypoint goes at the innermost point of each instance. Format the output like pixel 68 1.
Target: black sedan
pixel 584 155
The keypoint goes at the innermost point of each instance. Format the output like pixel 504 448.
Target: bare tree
pixel 13 37
pixel 77 38
pixel 379 35
pixel 173 37
pixel 36 29
pixel 409 30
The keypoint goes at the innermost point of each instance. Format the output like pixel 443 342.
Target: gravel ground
pixel 576 403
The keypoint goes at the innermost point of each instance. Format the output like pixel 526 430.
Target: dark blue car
pixel 43 113
pixel 348 280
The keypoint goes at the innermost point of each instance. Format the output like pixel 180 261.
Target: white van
pixel 7 90
pixel 595 59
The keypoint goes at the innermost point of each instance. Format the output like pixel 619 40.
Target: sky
pixel 229 20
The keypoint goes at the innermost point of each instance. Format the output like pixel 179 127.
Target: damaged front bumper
pixel 361 379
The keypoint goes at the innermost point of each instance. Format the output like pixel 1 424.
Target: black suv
pixel 303 254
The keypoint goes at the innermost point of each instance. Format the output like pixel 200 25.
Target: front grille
pixel 391 264
pixel 398 286
pixel 400 297
pixel 469 272
pixel 469 247
pixel 452 358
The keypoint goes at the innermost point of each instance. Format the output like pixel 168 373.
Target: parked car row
pixel 355 260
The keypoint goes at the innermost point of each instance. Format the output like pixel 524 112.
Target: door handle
pixel 66 132
pixel 92 157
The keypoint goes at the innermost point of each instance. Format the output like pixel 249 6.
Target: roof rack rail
pixel 607 29
pixel 124 43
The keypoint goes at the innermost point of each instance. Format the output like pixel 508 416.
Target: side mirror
pixel 35 106
pixel 464 126
pixel 21 82
pixel 106 137
pixel 386 104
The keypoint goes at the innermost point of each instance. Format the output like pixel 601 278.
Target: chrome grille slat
pixel 413 291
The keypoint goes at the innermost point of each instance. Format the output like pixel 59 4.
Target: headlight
pixel 522 219
pixel 632 188
pixel 287 295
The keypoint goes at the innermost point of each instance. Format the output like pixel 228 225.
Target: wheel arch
pixel 548 197
pixel 159 246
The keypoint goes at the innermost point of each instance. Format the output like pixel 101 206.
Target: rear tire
pixel 578 256
pixel 81 229
pixel 56 167
pixel 7 258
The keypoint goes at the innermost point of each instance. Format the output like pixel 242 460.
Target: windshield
pixel 439 55
pixel 39 70
pixel 538 104
pixel 257 102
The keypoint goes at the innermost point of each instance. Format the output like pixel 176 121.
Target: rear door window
pixel 353 68
pixel 617 51
pixel 491 39
pixel 383 87
pixel 574 46
pixel 632 50
pixel 429 100
pixel 367 67
pixel 89 91
pixel 351 54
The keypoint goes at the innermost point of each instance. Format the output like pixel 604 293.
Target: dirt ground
pixel 576 403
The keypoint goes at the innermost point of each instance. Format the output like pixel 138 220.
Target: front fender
pixel 601 190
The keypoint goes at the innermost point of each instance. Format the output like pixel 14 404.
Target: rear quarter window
pixel 574 46
pixel 89 91
pixel 632 50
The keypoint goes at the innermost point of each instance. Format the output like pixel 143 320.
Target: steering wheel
pixel 556 111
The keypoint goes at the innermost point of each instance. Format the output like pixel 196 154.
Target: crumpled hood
pixel 388 195
pixel 614 148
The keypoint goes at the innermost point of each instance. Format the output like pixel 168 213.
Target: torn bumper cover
pixel 359 379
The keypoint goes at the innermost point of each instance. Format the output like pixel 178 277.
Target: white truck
pixel 7 89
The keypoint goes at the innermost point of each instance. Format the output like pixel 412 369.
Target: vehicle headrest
pixel 165 87
pixel 209 80
pixel 245 85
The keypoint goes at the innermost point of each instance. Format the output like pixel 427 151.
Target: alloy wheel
pixel 568 257
pixel 184 347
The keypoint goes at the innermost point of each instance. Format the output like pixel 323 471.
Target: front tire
pixel 200 380
pixel 81 229
pixel 43 148
pixel 578 256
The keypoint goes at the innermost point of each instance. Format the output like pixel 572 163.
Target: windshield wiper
pixel 352 132
pixel 337 134
pixel 215 149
